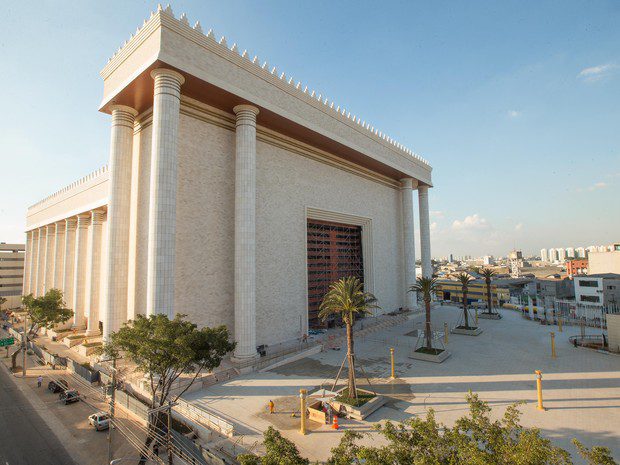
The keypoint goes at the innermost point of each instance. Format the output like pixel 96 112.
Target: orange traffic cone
pixel 335 424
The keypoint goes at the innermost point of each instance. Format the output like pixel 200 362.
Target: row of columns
pixel 66 255
pixel 408 185
pixel 162 212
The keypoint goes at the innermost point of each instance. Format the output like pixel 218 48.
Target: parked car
pixel 69 396
pixel 57 386
pixel 99 420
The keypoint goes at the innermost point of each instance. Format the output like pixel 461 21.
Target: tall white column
pixel 425 232
pixel 79 276
pixel 93 273
pixel 406 191
pixel 59 255
pixel 41 261
pixel 69 261
pixel 245 232
pixel 163 190
pixel 28 263
pixel 50 253
pixel 34 263
pixel 117 256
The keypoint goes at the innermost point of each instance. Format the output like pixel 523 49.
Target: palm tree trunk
pixel 351 361
pixel 489 301
pixel 429 344
pixel 465 309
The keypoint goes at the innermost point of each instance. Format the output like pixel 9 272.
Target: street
pixel 25 437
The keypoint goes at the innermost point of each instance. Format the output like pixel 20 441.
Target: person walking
pixel 272 407
pixel 39 380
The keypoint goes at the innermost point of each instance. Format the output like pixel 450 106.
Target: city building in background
pixel 576 267
pixel 11 274
pixel 544 255
pixel 451 291
pixel 601 289
pixel 232 195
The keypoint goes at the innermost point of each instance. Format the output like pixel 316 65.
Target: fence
pixel 203 417
pixel 573 313
pixel 89 375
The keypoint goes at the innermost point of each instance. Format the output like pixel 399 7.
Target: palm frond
pixel 346 297
pixel 425 286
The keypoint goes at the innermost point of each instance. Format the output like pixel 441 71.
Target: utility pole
pixel 169 433
pixel 112 401
pixel 24 346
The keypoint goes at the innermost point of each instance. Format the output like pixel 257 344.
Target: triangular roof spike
pixel 169 10
pixel 282 76
pixel 184 19
pixel 210 34
pixel 332 105
pixel 159 7
pixel 306 90
pixel 245 54
pixel 273 70
pixel 337 108
pixel 223 41
pixel 255 59
pixel 234 47
pixel 290 80
pixel 298 85
pixel 312 94
pixel 197 26
pixel 265 64
pixel 144 23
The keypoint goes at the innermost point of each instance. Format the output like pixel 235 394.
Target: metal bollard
pixel 302 397
pixel 560 324
pixel 445 332
pixel 552 344
pixel 539 389
pixel 392 357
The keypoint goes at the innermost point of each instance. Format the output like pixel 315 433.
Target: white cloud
pixel 472 222
pixel 596 73
pixel 437 214
pixel 514 113
pixel 519 227
pixel 593 187
pixel 433 226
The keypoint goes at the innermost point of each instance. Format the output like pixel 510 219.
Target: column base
pixel 92 332
pixel 244 360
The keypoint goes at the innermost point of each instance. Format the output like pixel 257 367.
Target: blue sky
pixel 515 104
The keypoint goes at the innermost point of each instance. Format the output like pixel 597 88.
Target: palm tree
pixel 346 297
pixel 465 279
pixel 488 273
pixel 426 287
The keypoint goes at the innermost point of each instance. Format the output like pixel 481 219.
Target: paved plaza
pixel 581 386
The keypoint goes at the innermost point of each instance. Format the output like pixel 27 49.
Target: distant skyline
pixel 514 105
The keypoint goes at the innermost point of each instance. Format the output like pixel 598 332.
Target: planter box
pixel 430 357
pixel 359 413
pixel 467 332
pixel 489 316
pixel 87 351
pixel 73 342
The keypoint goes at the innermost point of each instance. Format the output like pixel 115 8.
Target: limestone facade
pixel 216 166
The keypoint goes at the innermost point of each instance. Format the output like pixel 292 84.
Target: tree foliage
pixel 473 439
pixel 46 311
pixel 280 451
pixel 165 349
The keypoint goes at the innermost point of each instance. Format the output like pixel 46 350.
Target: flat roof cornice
pixel 221 76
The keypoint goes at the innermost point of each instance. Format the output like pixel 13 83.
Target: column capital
pixel 97 216
pixel 246 114
pixel 408 183
pixel 70 223
pixel 51 228
pixel 123 115
pixel 82 220
pixel 167 81
pixel 423 189
pixel 60 226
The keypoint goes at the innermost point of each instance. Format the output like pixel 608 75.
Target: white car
pixel 100 420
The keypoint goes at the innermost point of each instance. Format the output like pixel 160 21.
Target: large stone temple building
pixel 233 195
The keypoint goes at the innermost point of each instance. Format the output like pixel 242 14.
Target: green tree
pixel 426 287
pixel 596 456
pixel 465 280
pixel 488 274
pixel 279 451
pixel 164 350
pixel 46 311
pixel 346 298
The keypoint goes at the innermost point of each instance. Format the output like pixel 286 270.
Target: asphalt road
pixel 25 439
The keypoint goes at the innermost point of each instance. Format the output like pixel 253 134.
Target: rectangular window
pixel 584 283
pixel 590 298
